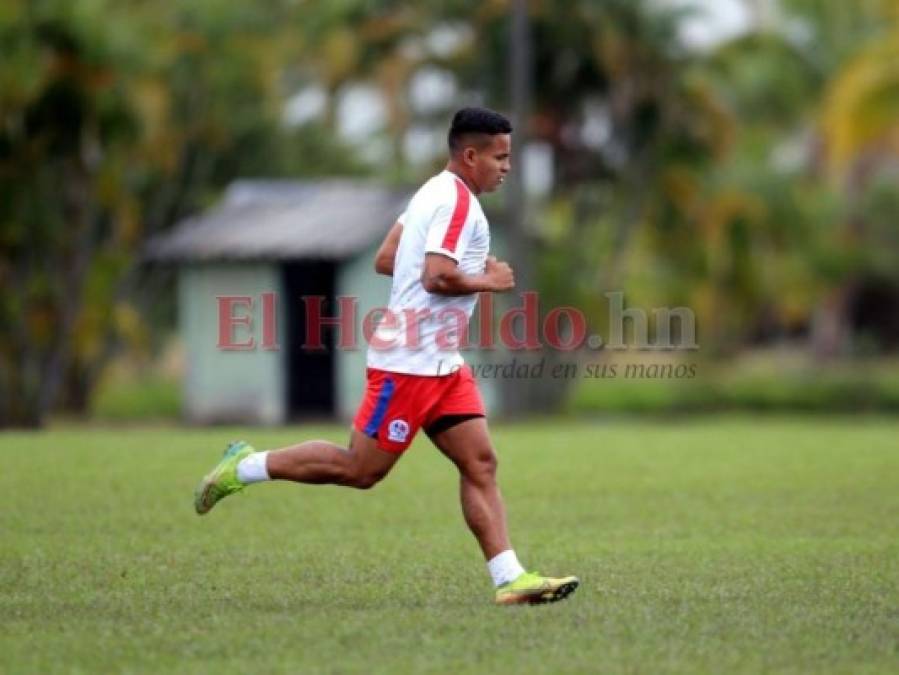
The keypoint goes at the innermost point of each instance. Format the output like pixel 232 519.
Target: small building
pixel 269 244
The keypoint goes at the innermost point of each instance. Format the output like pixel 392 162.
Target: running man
pixel 437 253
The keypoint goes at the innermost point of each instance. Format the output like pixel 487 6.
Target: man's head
pixel 480 145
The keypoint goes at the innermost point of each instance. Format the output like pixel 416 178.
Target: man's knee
pixel 358 470
pixel 481 467
pixel 365 480
pixel 363 477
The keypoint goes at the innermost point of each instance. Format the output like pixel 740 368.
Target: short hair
pixel 470 121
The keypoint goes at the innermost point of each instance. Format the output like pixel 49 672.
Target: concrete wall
pixel 356 277
pixel 229 386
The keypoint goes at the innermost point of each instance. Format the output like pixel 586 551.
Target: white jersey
pixel 421 332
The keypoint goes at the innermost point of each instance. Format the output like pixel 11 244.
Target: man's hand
pixel 500 274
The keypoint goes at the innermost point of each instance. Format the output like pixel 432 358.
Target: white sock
pixel 252 469
pixel 504 567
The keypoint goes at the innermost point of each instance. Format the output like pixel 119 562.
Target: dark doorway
pixel 310 388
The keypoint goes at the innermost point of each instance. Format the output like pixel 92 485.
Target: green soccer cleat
pixel 533 589
pixel 222 480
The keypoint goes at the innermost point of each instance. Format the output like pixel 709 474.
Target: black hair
pixel 469 121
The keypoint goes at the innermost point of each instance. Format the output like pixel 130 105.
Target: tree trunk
pixel 831 329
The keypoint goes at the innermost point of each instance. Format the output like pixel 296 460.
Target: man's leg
pixel 361 465
pixel 467 444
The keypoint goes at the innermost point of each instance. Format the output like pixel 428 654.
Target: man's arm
pixel 441 275
pixel 386 255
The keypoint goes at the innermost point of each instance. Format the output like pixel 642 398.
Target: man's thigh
pixel 367 457
pixel 465 442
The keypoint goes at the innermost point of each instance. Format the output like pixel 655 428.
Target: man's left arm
pixel 386 255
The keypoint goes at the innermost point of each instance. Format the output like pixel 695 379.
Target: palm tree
pixel 860 130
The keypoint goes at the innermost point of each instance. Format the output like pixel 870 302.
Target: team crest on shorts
pixel 398 431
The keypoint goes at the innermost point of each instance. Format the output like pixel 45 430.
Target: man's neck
pixel 452 167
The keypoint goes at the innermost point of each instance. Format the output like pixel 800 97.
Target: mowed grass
pixel 713 545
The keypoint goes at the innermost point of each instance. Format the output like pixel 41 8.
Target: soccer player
pixel 437 253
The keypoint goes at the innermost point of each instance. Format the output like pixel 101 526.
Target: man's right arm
pixel 441 275
pixel 386 255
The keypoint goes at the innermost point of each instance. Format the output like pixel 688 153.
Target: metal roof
pixel 281 220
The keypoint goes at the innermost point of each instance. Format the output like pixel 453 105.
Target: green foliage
pixel 878 207
pixel 838 389
pixel 752 183
pixel 141 398
pixel 728 205
pixel 116 121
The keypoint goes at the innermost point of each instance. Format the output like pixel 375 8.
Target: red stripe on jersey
pixel 460 214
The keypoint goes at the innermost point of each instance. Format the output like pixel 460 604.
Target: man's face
pixel 492 162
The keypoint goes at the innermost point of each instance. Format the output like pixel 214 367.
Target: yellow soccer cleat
pixel 222 480
pixel 533 589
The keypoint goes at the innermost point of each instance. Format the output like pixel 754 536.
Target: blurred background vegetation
pixel 748 170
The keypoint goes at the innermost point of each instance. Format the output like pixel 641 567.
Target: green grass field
pixel 713 545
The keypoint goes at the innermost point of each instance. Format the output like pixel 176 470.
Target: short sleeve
pixel 447 232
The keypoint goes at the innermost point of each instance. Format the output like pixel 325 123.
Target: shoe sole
pixel 201 505
pixel 545 597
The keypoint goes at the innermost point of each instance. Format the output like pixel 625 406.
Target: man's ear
pixel 468 155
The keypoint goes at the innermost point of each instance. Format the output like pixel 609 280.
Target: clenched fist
pixel 500 274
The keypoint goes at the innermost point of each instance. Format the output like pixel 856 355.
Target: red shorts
pixel 396 405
